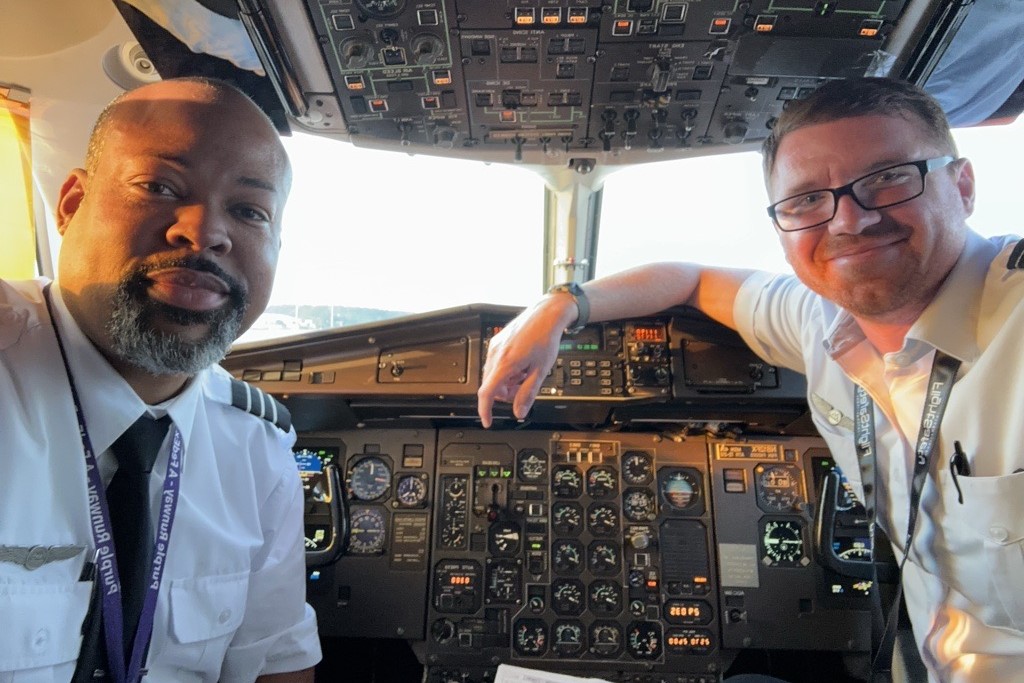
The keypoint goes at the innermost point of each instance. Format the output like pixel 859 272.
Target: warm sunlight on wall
pixel 17 231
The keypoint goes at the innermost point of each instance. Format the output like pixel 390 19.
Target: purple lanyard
pixel 99 519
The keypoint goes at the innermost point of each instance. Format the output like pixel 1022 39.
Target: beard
pixel 138 341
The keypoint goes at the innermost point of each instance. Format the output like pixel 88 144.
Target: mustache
pixel 136 281
pixel 838 244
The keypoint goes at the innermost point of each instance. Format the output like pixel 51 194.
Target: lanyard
pixel 122 671
pixel 940 383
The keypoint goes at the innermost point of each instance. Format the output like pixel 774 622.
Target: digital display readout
pixel 310 462
pixel 587 340
pixel 460 580
pixel 653 334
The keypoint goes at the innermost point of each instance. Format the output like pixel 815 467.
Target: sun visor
pixel 203 31
pixel 982 66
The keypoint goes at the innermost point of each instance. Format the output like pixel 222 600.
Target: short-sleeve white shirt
pixel 964 579
pixel 231 604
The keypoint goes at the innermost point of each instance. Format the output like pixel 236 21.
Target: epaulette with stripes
pixel 1016 260
pixel 261 404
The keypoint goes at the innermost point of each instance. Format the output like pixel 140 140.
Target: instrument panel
pixel 653 516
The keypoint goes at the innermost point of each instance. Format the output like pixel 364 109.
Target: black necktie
pixel 128 500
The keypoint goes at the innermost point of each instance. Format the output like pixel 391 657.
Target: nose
pixel 200 228
pixel 851 218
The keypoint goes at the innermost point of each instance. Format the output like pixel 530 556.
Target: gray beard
pixel 138 343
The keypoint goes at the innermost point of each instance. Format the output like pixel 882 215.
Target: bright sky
pixel 386 230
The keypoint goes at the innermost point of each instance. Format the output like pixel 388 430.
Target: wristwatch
pixel 582 304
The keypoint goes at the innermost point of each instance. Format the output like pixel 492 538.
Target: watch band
pixel 582 304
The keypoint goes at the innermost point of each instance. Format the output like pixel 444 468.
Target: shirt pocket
pixel 205 612
pixel 984 544
pixel 42 625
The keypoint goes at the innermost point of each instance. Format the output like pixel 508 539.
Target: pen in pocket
pixel 958 465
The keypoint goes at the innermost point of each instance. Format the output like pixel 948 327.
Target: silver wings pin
pixel 832 414
pixel 36 556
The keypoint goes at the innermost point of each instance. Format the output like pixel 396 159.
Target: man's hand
pixel 521 355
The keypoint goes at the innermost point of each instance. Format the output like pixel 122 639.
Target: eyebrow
pixel 247 181
pixel 804 188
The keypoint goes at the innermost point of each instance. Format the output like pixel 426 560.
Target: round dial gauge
pixel 411 490
pixel 778 487
pixel 605 638
pixel 567 597
pixel 681 488
pixel 381 9
pixel 530 637
pixel 783 542
pixel 568 638
pixel 603 519
pixel 603 558
pixel 638 505
pixel 370 478
pixel 504 538
pixel 643 639
pixel 504 581
pixel 637 468
pixel 567 557
pixel 567 518
pixel 605 597
pixel 601 482
pixel 566 481
pixel 532 465
pixel 367 531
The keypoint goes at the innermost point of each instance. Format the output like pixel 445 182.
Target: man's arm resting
pixel 304 676
pixel 520 356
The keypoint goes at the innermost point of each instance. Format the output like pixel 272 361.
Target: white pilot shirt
pixel 963 579
pixel 232 602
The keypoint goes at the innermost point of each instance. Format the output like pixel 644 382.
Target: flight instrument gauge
pixel 637 468
pixel 370 478
pixel 602 519
pixel 567 597
pixel 530 637
pixel 567 556
pixel 605 638
pixel 567 482
pixel 532 465
pixel 367 531
pixel 411 490
pixel 504 538
pixel 567 518
pixel 602 482
pixel 567 638
pixel 603 557
pixel 638 505
pixel 680 488
pixel 783 543
pixel 643 639
pixel 605 597
pixel 381 9
pixel 778 487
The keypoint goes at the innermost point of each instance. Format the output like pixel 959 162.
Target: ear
pixel 72 192
pixel 965 183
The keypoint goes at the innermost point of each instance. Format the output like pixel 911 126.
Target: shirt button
pixel 40 641
pixel 224 616
pixel 901 359
pixel 998 533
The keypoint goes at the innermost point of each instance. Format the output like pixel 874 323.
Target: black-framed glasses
pixel 877 190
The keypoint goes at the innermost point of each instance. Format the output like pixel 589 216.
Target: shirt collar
pixel 950 323
pixel 109 404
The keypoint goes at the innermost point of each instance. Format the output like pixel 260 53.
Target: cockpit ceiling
pixel 574 82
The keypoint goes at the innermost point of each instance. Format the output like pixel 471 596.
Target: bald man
pixel 113 565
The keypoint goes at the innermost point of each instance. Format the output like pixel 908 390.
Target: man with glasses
pixel 906 324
